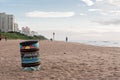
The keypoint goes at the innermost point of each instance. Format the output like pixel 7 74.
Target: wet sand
pixel 62 61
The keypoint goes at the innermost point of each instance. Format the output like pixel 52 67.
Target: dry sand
pixel 62 61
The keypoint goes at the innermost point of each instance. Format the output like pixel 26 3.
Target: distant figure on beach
pixel 0 38
pixel 66 39
pixel 51 39
pixel 53 35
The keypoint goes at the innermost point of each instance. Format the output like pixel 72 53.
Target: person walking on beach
pixel 66 39
pixel 53 35
pixel 51 39
pixel 0 37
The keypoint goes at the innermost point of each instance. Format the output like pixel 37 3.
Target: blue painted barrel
pixel 30 57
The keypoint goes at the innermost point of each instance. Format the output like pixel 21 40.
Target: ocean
pixel 100 43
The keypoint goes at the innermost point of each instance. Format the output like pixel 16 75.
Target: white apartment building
pixel 26 30
pixel 11 22
pixel 16 29
pixel 6 22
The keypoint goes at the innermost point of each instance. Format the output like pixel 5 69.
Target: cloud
pixel 42 14
pixel 83 14
pixel 88 2
pixel 104 7
pixel 98 0
pixel 115 12
pixel 99 11
pixel 109 22
pixel 105 12
pixel 114 2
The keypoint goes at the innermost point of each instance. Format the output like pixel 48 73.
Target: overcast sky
pixel 77 19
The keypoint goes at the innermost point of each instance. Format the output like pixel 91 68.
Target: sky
pixel 76 19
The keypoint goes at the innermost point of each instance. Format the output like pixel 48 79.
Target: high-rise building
pixel 6 22
pixel 16 29
pixel 26 30
pixel 10 22
pixel 3 22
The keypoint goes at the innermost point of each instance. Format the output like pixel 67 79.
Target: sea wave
pixel 100 43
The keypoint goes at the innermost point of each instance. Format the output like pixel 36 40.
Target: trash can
pixel 30 58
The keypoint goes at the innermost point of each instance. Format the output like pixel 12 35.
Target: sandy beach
pixel 62 61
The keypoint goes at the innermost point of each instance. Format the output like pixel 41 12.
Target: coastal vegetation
pixel 17 35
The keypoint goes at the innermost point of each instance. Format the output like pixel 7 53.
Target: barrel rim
pixel 29 50
pixel 24 43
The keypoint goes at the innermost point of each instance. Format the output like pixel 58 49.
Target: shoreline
pixel 80 42
pixel 100 43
